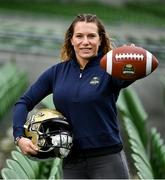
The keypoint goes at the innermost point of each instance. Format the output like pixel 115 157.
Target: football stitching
pixel 132 56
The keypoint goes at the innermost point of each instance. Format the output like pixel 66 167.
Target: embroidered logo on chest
pixel 95 80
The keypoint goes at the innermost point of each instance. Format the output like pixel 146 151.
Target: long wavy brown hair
pixel 67 51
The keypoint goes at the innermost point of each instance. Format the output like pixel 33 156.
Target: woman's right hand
pixel 27 147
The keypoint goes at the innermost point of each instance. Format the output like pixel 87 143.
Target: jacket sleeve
pixel 36 92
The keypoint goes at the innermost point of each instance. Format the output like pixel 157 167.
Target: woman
pixel 86 95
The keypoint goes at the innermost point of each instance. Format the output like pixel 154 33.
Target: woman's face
pixel 85 40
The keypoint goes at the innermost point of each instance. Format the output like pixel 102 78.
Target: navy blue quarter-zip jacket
pixel 87 98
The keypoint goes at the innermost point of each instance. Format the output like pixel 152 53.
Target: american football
pixel 129 62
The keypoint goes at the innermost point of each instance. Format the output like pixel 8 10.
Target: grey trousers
pixel 112 166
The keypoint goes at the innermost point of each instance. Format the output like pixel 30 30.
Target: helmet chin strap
pixel 50 149
pixel 64 152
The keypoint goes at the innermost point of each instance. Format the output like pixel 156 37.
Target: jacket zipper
pixel 79 84
pixel 80 75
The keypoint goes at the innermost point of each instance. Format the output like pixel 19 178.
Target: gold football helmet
pixel 50 132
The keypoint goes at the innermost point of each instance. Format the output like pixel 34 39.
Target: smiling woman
pixel 86 42
pixel 89 105
pixel 85 29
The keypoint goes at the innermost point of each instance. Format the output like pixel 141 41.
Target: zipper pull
pixel 81 71
pixel 80 76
